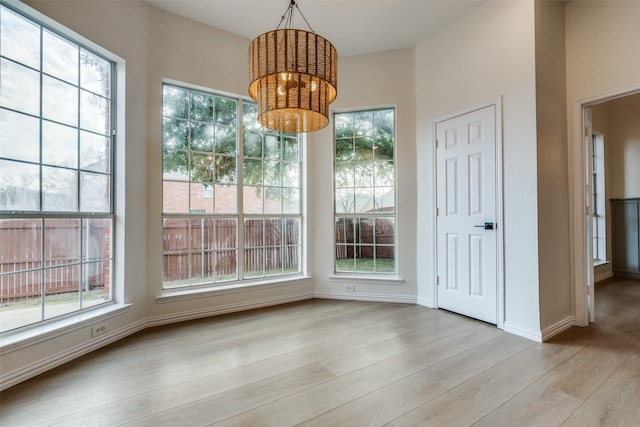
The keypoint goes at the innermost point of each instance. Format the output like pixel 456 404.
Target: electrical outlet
pixel 98 330
pixel 349 288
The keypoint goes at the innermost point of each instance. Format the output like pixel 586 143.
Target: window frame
pixel 42 215
pixel 366 277
pixel 242 279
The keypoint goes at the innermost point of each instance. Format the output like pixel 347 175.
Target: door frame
pixel 582 263
pixel 499 229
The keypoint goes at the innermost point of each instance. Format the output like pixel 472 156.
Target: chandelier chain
pixel 287 17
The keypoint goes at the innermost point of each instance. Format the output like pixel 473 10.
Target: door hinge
pixel 437 280
pixel 437 143
pixel 437 211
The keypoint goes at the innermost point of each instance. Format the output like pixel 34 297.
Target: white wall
pixel 486 54
pixel 378 79
pixel 553 200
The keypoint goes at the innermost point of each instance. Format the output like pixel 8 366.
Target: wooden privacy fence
pixel 21 258
pixel 357 238
pixel 207 247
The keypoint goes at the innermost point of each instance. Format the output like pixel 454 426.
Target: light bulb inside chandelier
pixel 293 77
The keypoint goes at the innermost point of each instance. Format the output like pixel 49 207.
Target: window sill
pixel 206 291
pixel 367 280
pixel 599 262
pixel 20 338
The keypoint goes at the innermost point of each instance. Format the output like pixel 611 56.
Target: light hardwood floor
pixel 341 363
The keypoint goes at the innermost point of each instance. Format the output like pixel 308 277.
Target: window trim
pixel 392 278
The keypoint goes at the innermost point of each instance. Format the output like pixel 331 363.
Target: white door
pixel 467 195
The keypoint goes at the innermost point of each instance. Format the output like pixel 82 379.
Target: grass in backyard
pixel 63 298
pixel 366 265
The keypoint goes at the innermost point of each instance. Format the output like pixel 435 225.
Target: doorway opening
pixel 603 169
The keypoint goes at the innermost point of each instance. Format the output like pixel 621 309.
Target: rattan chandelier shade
pixel 293 78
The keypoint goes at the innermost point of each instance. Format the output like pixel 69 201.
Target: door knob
pixel 486 226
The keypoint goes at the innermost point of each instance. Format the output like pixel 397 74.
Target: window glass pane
pixel 95 152
pixel 250 119
pixel 94 192
pixel 364 200
pixel 273 231
pixel 273 200
pixel 384 173
pixel 19 186
pixel 202 137
pixel 225 111
pixel 59 144
pixel 344 175
pixel 252 145
pixel 345 200
pixel 95 73
pixel 385 199
pixel 202 166
pixel 59 189
pixel 96 239
pixel 201 197
pixel 175 102
pixel 60 57
pixel 225 169
pixel 272 173
pixel 253 233
pixel 291 174
pixel 363 123
pixel 201 107
pixel 291 149
pixel 385 258
pixel 225 140
pixel 96 283
pixel 176 252
pixel 271 147
pixel 95 113
pixel 252 199
pixel 290 200
pixel 175 165
pixel 364 174
pixel 175 197
pixel 61 241
pixel 225 199
pixel 344 125
pixel 364 149
pixel 59 101
pixel 20 88
pixel 20 38
pixel 62 290
pixel 21 297
pixel 19 136
pixel 252 171
pixel 20 248
pixel 344 150
pixel 175 134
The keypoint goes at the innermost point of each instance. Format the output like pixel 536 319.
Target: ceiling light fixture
pixel 293 77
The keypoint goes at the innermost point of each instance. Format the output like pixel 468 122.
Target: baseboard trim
pixel 558 327
pixel 225 309
pixel 15 377
pixel 523 332
pixel 403 299
pixel 603 276
pixel 426 302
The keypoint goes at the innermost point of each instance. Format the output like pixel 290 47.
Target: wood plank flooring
pixel 348 363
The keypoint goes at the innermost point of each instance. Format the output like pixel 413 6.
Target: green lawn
pixel 366 265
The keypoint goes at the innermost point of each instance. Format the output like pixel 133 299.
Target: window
pixel 231 192
pixel 56 204
pixel 364 190
pixel 599 200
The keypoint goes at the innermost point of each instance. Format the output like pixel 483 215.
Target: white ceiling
pixel 353 26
